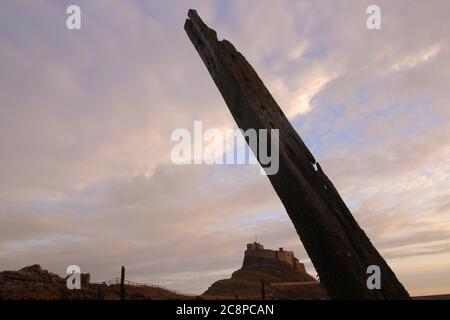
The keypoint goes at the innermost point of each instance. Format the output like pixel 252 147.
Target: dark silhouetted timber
pixel 122 283
pixel 337 246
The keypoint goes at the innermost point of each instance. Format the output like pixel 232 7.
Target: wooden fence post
pixel 122 284
pixel 263 292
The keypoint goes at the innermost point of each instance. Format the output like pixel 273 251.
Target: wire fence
pixel 116 281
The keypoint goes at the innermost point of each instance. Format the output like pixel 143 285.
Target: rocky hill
pixel 35 283
pixel 279 272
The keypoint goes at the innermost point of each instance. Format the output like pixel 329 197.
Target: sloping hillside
pixel 35 283
pixel 247 282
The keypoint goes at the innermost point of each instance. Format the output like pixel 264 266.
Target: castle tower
pixel 256 254
pixel 255 246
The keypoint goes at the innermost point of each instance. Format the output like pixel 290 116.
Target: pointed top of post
pixel 197 30
pixel 194 18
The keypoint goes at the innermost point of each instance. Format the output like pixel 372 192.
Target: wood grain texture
pixel 337 246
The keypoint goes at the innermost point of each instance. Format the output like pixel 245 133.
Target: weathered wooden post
pixel 337 246
pixel 263 292
pixel 122 284
pixel 100 293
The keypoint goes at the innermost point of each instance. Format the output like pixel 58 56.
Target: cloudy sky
pixel 86 118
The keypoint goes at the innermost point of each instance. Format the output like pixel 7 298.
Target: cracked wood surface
pixel 336 244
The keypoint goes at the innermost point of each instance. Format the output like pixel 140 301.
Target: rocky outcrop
pixel 280 279
pixel 337 246
pixel 35 283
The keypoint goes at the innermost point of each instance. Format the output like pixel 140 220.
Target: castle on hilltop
pixel 256 253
